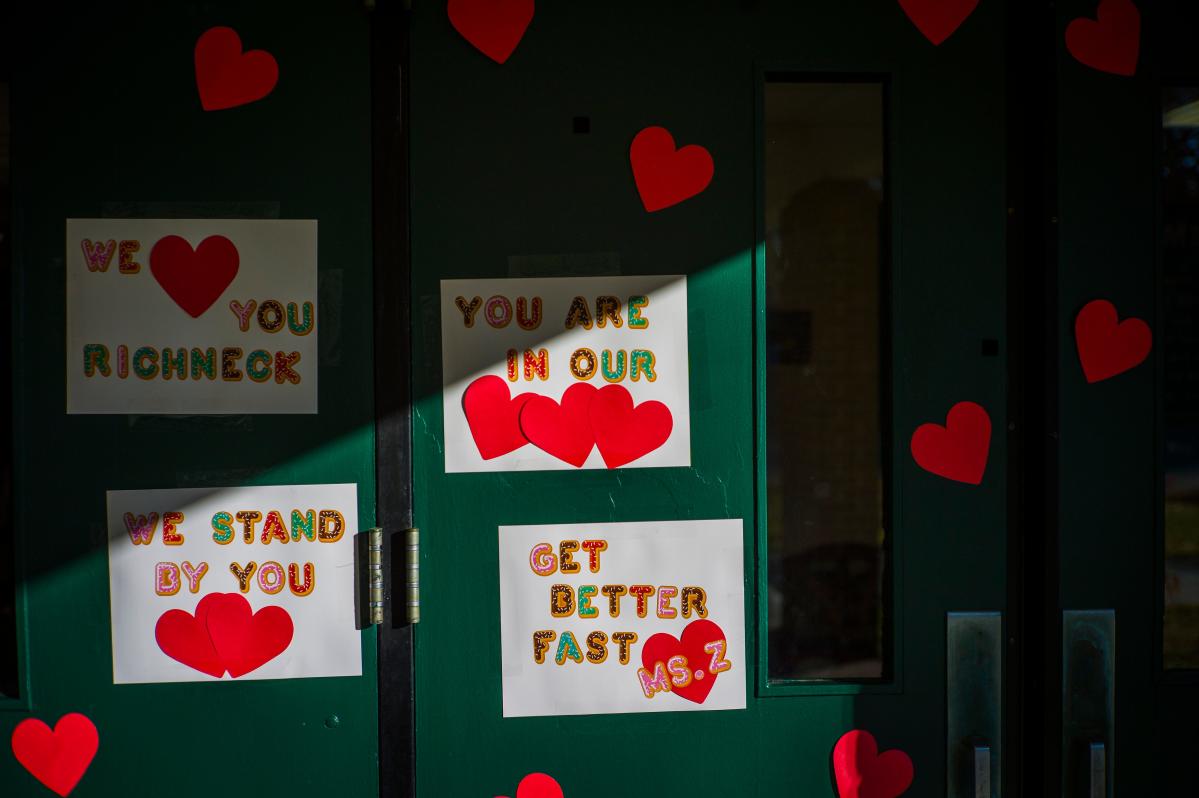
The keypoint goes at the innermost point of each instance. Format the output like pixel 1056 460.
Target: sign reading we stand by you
pixel 644 616
pixel 565 373
pixel 233 583
pixel 191 316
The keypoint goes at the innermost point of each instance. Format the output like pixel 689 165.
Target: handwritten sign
pixel 233 583
pixel 191 316
pixel 627 617
pixel 565 373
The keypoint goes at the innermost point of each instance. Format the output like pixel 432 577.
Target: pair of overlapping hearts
pixel 586 418
pixel 224 635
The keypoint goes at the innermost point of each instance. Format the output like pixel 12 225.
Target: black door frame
pixel 393 388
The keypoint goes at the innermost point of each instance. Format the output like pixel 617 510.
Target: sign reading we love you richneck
pixel 191 316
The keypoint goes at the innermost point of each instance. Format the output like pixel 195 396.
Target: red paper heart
pixel 194 279
pixel 59 758
pixel 494 416
pixel 561 430
pixel 538 785
pixel 864 773
pixel 246 641
pixel 938 19
pixel 494 27
pixel 957 451
pixel 666 176
pixel 184 637
pixel 1111 42
pixel 225 76
pixel 1106 345
pixel 625 433
pixel 697 634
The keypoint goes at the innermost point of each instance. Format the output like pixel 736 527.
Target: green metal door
pixel 522 170
pixel 108 124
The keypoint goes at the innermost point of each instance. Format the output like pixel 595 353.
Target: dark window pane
pixel 8 593
pixel 1180 352
pixel 825 392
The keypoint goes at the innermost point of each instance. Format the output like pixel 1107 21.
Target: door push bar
pixel 1088 702
pixel 370 584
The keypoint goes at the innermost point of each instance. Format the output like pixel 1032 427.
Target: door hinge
pixel 412 575
pixel 370 580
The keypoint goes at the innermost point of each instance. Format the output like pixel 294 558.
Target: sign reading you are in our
pixel 565 373
pixel 191 316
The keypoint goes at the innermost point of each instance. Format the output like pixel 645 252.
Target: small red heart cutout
pixel 666 176
pixel 697 634
pixel 184 637
pixel 1106 345
pixel 225 76
pixel 59 758
pixel 562 430
pixel 245 640
pixel 494 27
pixel 862 772
pixel 538 785
pixel 1111 42
pixel 493 415
pixel 194 279
pixel 938 19
pixel 958 450
pixel 625 433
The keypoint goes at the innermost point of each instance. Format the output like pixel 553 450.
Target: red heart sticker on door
pixel 494 27
pixel 666 176
pixel 938 19
pixel 246 640
pixel 1111 42
pixel 625 433
pixel 58 758
pixel 862 772
pixel 563 430
pixel 225 76
pixel 958 450
pixel 184 638
pixel 538 785
pixel 194 279
pixel 1106 345
pixel 702 644
pixel 493 415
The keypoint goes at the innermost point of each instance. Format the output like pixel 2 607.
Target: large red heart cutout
pixel 666 176
pixel 938 19
pixel 1111 42
pixel 59 758
pixel 563 430
pixel 493 415
pixel 246 640
pixel 538 785
pixel 1106 345
pixel 862 772
pixel 195 279
pixel 623 432
pixel 494 27
pixel 697 634
pixel 958 450
pixel 225 76
pixel 184 637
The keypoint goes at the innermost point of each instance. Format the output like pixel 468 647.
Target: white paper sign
pixel 191 316
pixel 233 583
pixel 564 373
pixel 648 617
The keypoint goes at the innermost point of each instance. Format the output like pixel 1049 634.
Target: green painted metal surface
pixel 107 122
pixel 497 172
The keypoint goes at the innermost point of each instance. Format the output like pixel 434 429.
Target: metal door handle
pixel 982 771
pixel 974 701
pixel 1098 770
